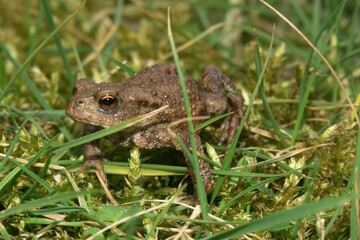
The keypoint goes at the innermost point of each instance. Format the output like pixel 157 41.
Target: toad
pixel 106 104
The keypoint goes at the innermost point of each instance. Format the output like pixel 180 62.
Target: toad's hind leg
pixel 204 167
pixel 223 96
pixel 159 136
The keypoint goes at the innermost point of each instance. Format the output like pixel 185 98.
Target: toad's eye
pixel 108 102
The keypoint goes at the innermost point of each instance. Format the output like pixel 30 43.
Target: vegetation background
pixel 292 175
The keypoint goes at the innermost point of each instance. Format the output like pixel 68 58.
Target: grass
pixel 291 172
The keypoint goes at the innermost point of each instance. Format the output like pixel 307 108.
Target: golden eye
pixel 108 102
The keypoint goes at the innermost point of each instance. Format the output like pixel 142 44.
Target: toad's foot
pixel 222 96
pixel 98 164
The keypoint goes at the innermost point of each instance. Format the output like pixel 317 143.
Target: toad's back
pixel 157 86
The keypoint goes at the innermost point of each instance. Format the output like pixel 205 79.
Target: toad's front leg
pixel 92 154
pixel 222 96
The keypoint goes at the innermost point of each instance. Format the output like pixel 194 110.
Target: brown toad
pixel 106 104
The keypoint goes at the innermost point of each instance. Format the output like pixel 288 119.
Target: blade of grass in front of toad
pixel 194 159
pixel 210 121
pixel 107 131
pixel 122 168
pixel 231 151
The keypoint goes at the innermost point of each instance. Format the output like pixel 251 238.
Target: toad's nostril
pixel 80 102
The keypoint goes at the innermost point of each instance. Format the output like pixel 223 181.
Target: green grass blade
pixel 107 131
pixel 120 64
pixel 42 202
pixel 274 124
pixel 243 193
pixel 118 15
pixel 230 154
pixel 210 121
pixel 39 179
pixel 200 185
pixel 160 217
pixel 60 209
pixel 301 14
pixel 61 50
pixel 307 82
pixel 277 219
pixel 8 178
pixel 309 184
pixel 33 35
pixel 13 145
pixel 349 189
pixel 37 50
pixel 29 83
pixel 5 235
pixel 355 180
pixel 316 21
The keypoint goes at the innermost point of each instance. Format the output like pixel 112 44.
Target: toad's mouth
pixel 86 119
pixel 102 124
pixel 109 120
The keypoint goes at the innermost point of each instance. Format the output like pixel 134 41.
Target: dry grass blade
pixel 39 165
pixel 195 40
pixel 194 215
pixel 100 46
pixel 282 157
pixel 106 189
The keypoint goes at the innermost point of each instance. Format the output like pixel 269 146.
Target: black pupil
pixel 108 101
